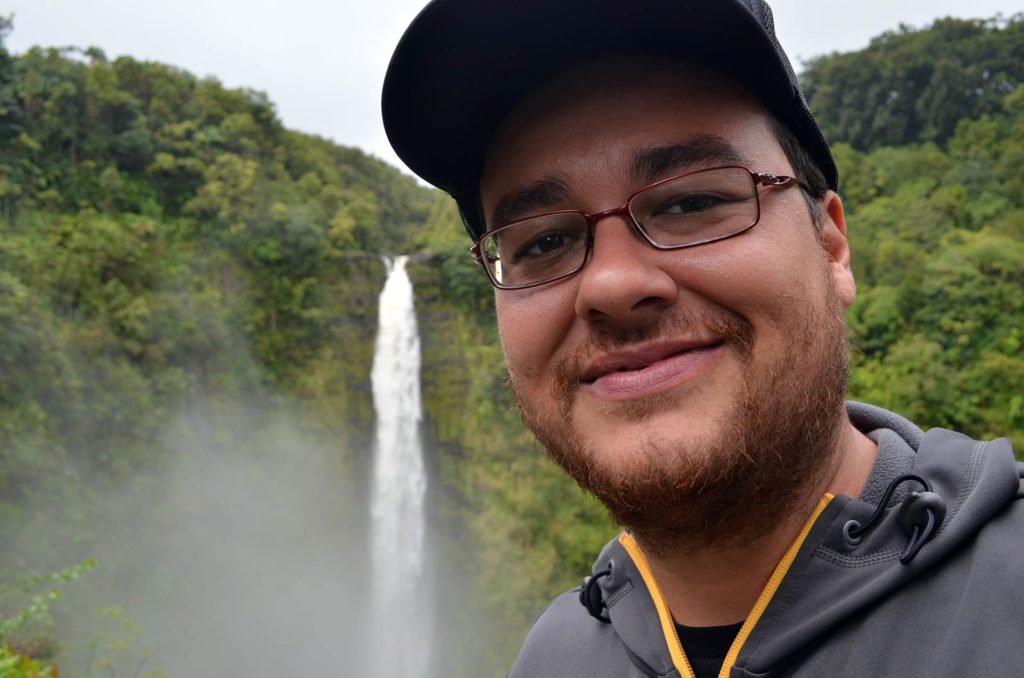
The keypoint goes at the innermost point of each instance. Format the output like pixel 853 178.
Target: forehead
pixel 594 118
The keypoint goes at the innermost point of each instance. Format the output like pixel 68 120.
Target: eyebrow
pixel 542 193
pixel 706 150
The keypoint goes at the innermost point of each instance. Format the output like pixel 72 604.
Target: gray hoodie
pixel 832 607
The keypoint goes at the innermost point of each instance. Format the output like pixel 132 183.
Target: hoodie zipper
pixel 668 627
pixel 675 647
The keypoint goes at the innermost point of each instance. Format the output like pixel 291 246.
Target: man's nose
pixel 624 281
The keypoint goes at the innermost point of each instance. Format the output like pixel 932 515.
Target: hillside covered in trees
pixel 928 132
pixel 188 305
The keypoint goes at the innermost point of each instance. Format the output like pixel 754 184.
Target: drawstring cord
pixel 590 596
pixel 920 516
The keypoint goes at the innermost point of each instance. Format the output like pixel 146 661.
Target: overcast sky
pixel 322 62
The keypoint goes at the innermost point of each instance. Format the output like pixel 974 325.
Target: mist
pixel 244 555
pixel 244 550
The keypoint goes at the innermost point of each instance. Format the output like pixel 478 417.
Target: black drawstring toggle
pixel 920 515
pixel 590 596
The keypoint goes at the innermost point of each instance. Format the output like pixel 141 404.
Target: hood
pixel 825 580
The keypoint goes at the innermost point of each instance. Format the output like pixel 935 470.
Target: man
pixel 656 207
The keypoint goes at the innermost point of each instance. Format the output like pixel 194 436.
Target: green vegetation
pixel 911 86
pixel 19 666
pixel 931 125
pixel 170 253
pixel 34 610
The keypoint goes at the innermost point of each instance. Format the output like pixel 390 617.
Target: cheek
pixel 533 326
pixel 764 275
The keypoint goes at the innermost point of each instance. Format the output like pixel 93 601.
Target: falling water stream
pixel 400 619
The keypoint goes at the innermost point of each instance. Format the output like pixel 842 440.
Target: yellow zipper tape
pixel 771 587
pixel 668 627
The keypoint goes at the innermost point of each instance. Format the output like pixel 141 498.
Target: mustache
pixel 719 325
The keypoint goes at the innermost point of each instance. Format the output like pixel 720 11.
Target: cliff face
pixel 461 358
pixel 336 381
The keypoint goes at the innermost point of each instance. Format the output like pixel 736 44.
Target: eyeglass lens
pixel 684 211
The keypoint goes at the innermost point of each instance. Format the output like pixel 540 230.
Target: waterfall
pixel 401 621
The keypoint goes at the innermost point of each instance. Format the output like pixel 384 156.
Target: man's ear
pixel 837 247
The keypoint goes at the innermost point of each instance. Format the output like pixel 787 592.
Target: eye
pixel 690 204
pixel 544 244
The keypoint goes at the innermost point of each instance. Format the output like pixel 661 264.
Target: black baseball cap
pixel 463 65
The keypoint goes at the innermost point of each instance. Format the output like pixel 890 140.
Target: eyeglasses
pixel 683 211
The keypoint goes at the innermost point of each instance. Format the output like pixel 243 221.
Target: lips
pixel 647 370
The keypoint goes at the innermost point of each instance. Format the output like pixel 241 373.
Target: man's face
pixel 657 378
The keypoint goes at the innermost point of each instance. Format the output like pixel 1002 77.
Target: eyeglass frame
pixel 759 179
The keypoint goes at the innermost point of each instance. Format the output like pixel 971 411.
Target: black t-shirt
pixel 706 646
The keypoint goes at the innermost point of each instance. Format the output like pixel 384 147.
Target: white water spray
pixel 401 620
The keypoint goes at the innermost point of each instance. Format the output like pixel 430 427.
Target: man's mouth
pixel 648 369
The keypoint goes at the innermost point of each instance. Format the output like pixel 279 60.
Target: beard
pixel 768 454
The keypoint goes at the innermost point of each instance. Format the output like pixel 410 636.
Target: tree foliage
pixel 911 86
pixel 938 236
